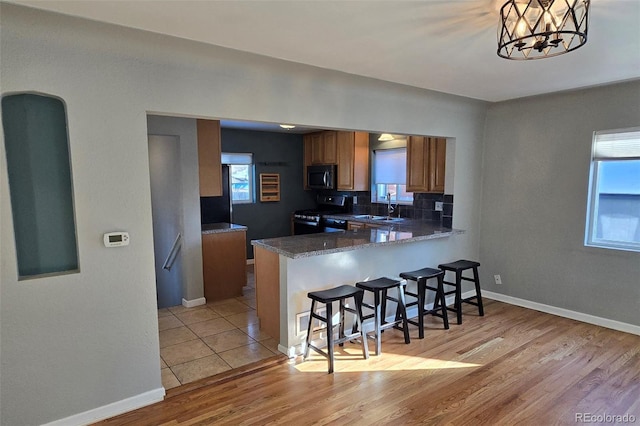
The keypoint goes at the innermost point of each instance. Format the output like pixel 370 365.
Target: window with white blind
pixel 241 175
pixel 613 217
pixel 390 176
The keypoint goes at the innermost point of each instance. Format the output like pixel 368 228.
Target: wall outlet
pixel 498 279
pixel 439 206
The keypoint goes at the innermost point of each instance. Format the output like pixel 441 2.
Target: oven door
pixel 302 227
pixel 334 225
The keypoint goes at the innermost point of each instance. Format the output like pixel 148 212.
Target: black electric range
pixel 314 220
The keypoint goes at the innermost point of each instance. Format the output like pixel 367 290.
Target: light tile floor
pixel 206 340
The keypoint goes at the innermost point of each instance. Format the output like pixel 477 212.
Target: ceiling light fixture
pixel 386 137
pixel 287 126
pixel 535 29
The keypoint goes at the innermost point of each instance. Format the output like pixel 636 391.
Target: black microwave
pixel 321 177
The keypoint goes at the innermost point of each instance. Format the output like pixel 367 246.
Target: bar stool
pixel 459 267
pixel 421 276
pixel 341 294
pixel 379 288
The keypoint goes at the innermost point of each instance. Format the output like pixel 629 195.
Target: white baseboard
pixel 113 409
pixel 566 313
pixel 195 302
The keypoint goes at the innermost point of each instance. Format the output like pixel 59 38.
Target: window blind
pixel 390 166
pixel 617 145
pixel 237 158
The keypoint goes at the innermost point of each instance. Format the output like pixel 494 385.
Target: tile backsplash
pixel 423 208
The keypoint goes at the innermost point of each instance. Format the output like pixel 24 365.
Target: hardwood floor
pixel 512 366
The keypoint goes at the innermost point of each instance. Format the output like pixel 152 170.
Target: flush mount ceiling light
pixel 535 29
pixel 287 126
pixel 386 137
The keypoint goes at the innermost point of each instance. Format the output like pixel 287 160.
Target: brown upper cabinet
pixel 353 161
pixel 209 158
pixel 426 158
pixel 323 147
pixel 348 150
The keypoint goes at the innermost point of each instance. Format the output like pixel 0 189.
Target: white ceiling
pixel 447 46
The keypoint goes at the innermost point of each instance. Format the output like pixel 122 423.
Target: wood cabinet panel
pixel 209 158
pixel 329 144
pixel 224 262
pixel 317 148
pixel 417 164
pixel 437 162
pixel 322 147
pixel 426 159
pixel 353 161
pixel 346 156
pixel 267 276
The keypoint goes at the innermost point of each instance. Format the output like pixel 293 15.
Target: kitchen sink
pixel 388 219
pixel 380 218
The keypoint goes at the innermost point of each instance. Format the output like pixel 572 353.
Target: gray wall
pixel 534 201
pixel 191 252
pixel 270 219
pixel 73 344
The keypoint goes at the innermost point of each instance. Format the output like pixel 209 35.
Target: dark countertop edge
pixel 220 227
pixel 264 244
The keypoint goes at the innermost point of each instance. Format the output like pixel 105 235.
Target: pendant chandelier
pixel 534 29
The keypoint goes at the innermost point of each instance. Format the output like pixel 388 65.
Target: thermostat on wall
pixel 116 239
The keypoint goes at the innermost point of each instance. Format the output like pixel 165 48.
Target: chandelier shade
pixel 535 29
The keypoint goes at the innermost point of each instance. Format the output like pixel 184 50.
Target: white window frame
pixel 610 145
pixel 241 159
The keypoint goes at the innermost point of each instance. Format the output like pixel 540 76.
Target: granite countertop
pixel 217 228
pixel 402 232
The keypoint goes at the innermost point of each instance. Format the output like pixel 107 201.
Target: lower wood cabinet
pixel 352 225
pixel 267 275
pixel 224 264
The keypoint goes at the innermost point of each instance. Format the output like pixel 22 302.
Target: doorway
pixel 164 170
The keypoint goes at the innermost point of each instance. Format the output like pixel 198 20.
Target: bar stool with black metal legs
pixel 379 288
pixel 327 297
pixel 459 266
pixel 421 277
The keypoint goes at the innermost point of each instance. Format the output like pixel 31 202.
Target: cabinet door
pixel 330 147
pixel 224 264
pixel 353 161
pixel 355 225
pixel 362 157
pixel 437 161
pixel 317 148
pixel 308 148
pixel 209 158
pixel 417 164
pixel 346 152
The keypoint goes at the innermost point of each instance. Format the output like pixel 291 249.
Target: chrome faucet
pixel 390 208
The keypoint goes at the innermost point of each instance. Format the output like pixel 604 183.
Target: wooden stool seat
pixel 458 267
pixel 327 297
pixel 379 288
pixel 421 277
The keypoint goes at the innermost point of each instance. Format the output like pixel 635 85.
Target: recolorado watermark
pixel 605 418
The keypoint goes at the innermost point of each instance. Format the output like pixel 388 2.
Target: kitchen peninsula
pixel 287 268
